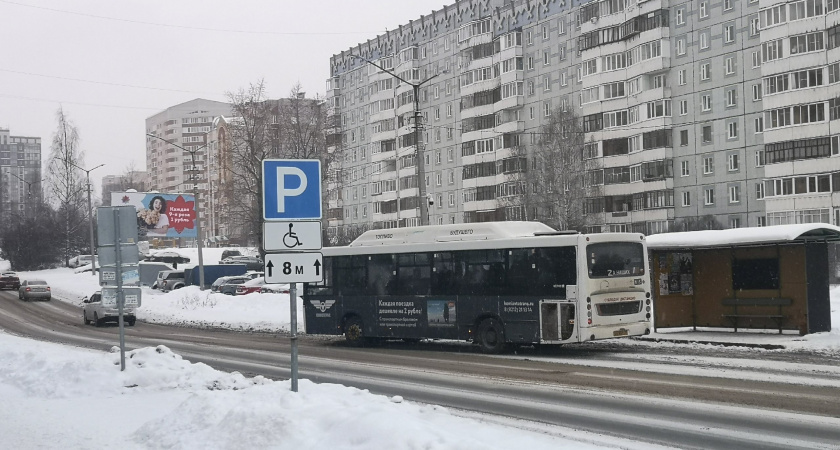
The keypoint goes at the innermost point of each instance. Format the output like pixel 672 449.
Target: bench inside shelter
pixel 773 310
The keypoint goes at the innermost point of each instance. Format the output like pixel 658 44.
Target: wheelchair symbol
pixel 290 239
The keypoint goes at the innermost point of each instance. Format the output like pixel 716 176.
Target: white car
pixel 94 311
pixel 80 260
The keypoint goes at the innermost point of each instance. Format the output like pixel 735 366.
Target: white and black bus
pixel 492 283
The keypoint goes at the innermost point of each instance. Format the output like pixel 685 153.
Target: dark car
pixel 228 286
pixel 228 253
pixel 9 280
pixel 251 262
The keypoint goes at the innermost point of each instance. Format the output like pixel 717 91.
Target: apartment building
pixel 172 137
pixel 703 114
pixel 21 189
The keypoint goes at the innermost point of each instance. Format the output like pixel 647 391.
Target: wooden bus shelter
pixel 773 277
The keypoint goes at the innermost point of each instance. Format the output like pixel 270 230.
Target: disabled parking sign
pixel 291 189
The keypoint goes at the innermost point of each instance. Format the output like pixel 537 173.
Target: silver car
pixel 34 289
pixel 94 311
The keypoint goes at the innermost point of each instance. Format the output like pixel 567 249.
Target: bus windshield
pixel 615 259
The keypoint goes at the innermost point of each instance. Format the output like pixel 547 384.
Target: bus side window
pixel 413 273
pixel 444 278
pixel 349 275
pixel 556 267
pixel 520 273
pixel 380 274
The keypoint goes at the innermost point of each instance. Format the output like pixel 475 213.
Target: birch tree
pixel 66 185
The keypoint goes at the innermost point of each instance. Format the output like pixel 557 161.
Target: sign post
pixel 292 227
pixel 118 261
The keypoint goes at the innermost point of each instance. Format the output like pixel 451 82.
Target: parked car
pixel 168 280
pixel 275 288
pixel 251 262
pixel 229 285
pixel 34 289
pixel 250 286
pixel 9 280
pixel 94 311
pixel 79 260
pixel 220 281
pixel 228 253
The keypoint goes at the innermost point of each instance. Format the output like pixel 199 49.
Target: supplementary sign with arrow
pixel 293 267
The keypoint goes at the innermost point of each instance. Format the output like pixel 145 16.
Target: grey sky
pixel 111 64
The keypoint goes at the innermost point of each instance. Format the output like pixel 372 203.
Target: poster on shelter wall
pixel 160 215
pixel 676 274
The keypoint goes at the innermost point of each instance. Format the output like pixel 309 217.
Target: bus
pixel 496 284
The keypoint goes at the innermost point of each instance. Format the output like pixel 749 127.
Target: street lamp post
pixel 198 237
pixel 28 184
pixel 90 217
pixel 420 161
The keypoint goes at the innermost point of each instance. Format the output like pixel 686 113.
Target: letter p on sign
pixel 291 189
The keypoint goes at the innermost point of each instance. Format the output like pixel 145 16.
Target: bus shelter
pixel 773 277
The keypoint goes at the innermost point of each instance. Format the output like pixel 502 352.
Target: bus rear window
pixel 615 259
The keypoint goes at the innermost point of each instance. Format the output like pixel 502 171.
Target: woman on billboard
pixel 155 218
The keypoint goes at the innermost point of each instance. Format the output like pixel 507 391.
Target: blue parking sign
pixel 291 189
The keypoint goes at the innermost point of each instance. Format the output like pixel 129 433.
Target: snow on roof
pixel 744 236
pixel 452 232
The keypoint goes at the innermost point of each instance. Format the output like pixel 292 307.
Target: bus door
pixel 557 317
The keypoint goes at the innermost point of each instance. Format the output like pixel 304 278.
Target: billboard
pixel 160 215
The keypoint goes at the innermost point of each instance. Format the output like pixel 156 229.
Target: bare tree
pixel 66 183
pixel 556 188
pixel 250 141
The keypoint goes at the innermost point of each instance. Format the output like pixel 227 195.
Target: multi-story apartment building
pixel 181 132
pixel 21 189
pixel 712 113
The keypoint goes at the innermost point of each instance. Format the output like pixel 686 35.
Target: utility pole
pixel 90 217
pixel 198 238
pixel 420 160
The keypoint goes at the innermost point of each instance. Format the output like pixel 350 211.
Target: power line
pixel 101 82
pixel 20 97
pixel 185 27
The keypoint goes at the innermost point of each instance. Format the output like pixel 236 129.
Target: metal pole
pixel 294 337
pixel 120 296
pixel 421 161
pixel 198 226
pixel 90 220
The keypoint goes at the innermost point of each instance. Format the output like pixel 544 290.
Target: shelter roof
pixel 740 237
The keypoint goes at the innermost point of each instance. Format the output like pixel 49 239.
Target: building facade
pixel 135 179
pixel 691 111
pixel 21 190
pixel 176 153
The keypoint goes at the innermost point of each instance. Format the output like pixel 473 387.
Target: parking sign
pixel 291 189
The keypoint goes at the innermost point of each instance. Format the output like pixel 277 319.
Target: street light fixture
pixel 421 162
pixel 90 217
pixel 28 184
pixel 198 238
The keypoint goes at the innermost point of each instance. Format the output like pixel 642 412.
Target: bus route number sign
pixel 304 267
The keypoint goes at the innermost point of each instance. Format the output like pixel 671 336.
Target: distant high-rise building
pixel 21 190
pixel 170 166
pixel 696 114
pixel 135 179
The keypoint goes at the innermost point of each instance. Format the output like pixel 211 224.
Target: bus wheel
pixel 491 336
pixel 354 331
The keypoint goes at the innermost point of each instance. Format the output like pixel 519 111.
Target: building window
pixel 731 97
pixel 681 16
pixel 729 64
pixel 759 124
pixel 735 194
pixel 735 222
pixel 756 92
pixel 683 107
pixel 732 130
pixel 759 191
pixel 734 162
pixel 704 11
pixel 707 133
pixel 686 198
pixel 727 5
pixel 704 71
pixel 756 59
pixel 709 196
pixel 706 102
pixel 681 77
pixel 708 165
pixel 704 39
pixel 684 170
pixel 681 46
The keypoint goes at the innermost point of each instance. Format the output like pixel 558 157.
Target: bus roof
pixel 453 232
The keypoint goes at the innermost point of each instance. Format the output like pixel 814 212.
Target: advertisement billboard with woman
pixel 160 215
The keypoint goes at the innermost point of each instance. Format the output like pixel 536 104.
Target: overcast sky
pixel 111 64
